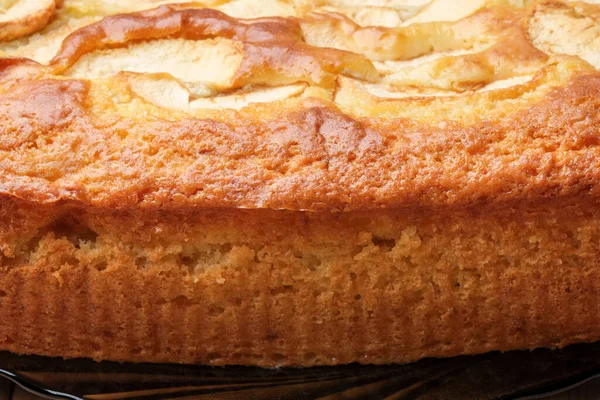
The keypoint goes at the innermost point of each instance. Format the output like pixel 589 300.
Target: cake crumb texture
pixel 283 288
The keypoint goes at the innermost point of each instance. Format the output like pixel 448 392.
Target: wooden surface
pixel 588 391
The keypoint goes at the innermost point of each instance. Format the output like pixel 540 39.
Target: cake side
pixel 281 288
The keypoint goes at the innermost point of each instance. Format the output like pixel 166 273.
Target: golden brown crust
pixel 98 143
pixel 275 288
pixel 315 158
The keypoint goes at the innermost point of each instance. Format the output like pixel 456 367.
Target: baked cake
pixel 298 182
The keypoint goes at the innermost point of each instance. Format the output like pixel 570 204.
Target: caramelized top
pixel 321 105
